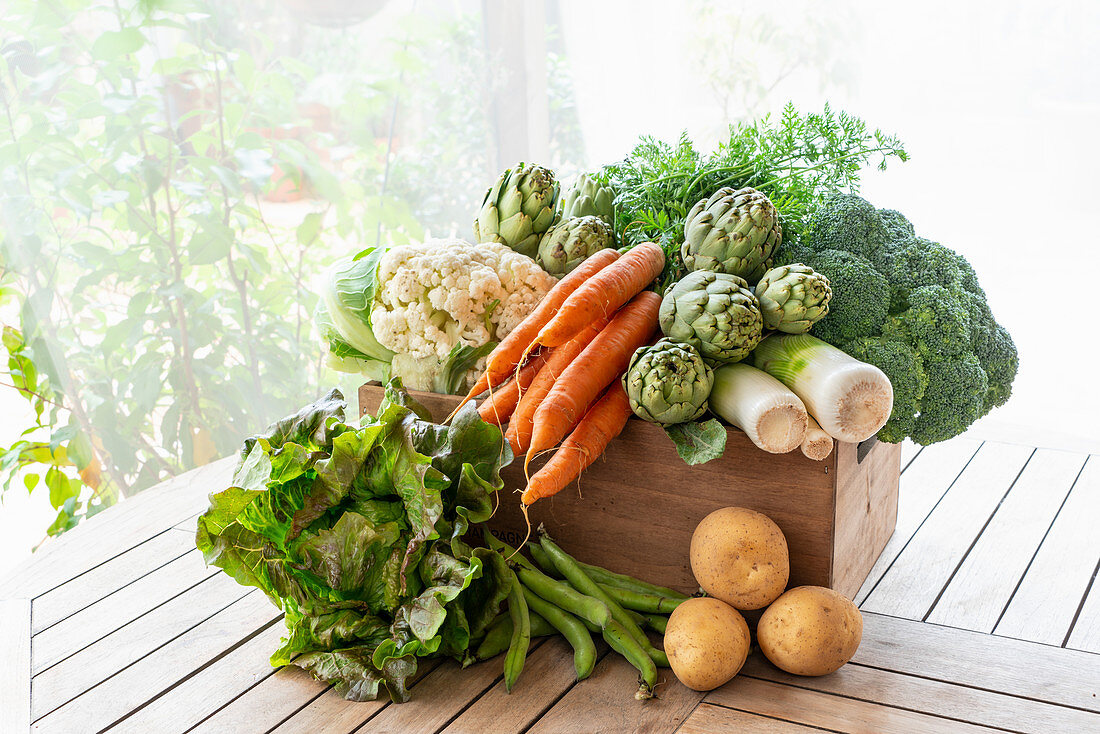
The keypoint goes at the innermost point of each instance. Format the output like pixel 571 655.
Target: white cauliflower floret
pixel 433 296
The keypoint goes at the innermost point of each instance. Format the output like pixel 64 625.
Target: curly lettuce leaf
pixel 356 533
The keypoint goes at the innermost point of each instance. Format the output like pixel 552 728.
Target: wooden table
pixel 982 614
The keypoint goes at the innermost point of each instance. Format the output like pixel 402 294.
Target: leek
pixel 817 444
pixel 851 400
pixel 770 415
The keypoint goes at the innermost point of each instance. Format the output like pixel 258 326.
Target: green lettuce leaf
pixel 356 533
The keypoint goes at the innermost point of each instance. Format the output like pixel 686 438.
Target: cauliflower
pixel 434 296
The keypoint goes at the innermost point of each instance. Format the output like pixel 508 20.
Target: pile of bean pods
pixel 556 594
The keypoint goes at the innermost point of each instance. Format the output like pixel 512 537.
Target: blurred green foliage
pixel 154 262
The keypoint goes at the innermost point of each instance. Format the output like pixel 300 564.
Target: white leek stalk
pixel 770 415
pixel 817 444
pixel 851 400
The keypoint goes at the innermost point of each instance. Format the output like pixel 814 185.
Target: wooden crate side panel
pixel 866 511
pixel 635 509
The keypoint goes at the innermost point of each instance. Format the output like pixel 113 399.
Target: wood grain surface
pixel 1045 605
pixel 928 561
pixel 923 483
pixel 983 584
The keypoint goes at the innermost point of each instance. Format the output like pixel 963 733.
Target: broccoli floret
pixel 936 324
pixel 906 372
pixel 848 223
pixel 981 318
pixel 790 252
pixel 997 354
pixel 919 262
pixel 954 399
pixel 968 279
pixel 898 228
pixel 861 296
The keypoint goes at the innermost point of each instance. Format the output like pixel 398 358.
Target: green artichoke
pixel 519 209
pixel 587 198
pixel 732 232
pixel 570 242
pixel 793 298
pixel 714 312
pixel 668 382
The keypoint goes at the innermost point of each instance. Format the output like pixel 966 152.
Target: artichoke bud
pixel 717 313
pixel 519 209
pixel 732 231
pixel 586 197
pixel 793 298
pixel 668 382
pixel 571 242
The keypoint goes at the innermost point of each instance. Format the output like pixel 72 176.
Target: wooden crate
pixel 634 510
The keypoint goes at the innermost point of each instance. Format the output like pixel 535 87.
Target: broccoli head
pixel 861 296
pixel 848 223
pixel 954 399
pixel 997 354
pixel 898 228
pixel 936 324
pixel 905 369
pixel 919 262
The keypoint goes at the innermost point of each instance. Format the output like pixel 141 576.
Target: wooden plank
pixel 982 586
pixel 266 705
pixel 1062 568
pixel 331 713
pixel 605 703
pixel 222 683
pixel 947 700
pixel 827 711
pixel 921 571
pixel 117 530
pixel 105 579
pixel 865 514
pixel 639 483
pixel 922 485
pixel 1085 634
pixel 987 662
pixel 120 608
pixel 442 695
pixel 547 674
pixel 15 664
pixel 711 719
pixel 909 451
pixel 176 661
pixel 92 661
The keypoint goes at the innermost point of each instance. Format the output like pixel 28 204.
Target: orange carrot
pixel 556 364
pixel 512 439
pixel 509 353
pixel 604 293
pixel 602 361
pixel 500 404
pixel 603 422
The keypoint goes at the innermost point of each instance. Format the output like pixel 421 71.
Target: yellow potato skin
pixel 810 630
pixel 740 556
pixel 707 642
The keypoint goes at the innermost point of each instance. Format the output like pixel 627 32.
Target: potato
pixel 707 642
pixel 810 630
pixel 740 556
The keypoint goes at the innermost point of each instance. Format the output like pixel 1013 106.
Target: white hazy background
pixel 997 102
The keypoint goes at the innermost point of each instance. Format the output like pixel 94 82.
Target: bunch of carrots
pixel 555 379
